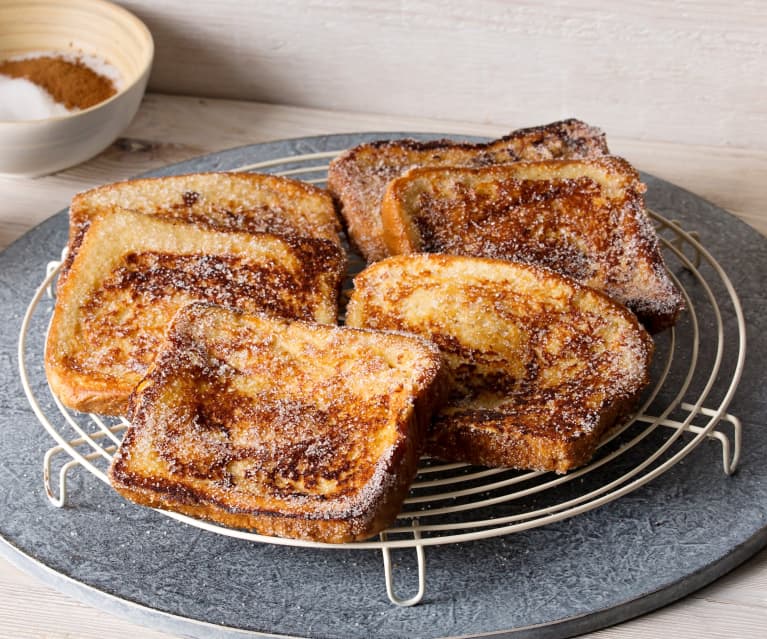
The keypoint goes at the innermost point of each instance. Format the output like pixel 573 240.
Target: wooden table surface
pixel 169 129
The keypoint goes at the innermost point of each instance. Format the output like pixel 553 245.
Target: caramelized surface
pixel 582 218
pixel 133 272
pixel 359 177
pixel 552 224
pixel 125 318
pixel 250 202
pixel 536 358
pixel 269 418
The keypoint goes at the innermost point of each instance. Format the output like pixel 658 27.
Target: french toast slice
pixel 358 177
pixel 230 201
pixel 282 427
pixel 582 218
pixel 132 272
pixel 542 366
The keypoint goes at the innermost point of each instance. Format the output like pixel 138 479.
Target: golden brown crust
pixel 285 428
pixel 229 201
pixel 358 178
pixel 133 272
pixel 541 365
pixel 582 218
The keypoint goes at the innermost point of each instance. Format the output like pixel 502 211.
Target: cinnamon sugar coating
pixel 358 178
pixel 282 427
pixel 541 366
pixel 133 272
pixel 582 218
pixel 226 201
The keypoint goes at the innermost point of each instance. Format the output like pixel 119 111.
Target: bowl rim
pixel 140 77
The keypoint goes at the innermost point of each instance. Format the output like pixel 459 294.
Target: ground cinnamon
pixel 71 83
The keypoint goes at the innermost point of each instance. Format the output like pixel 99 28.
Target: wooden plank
pixel 30 609
pixel 689 71
pixel 170 129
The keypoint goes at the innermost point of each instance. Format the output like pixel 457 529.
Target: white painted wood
pixel 690 71
pixel 31 610
pixel 169 129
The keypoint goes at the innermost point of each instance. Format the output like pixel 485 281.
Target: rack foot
pixel 420 558
pixel 57 497
pixel 730 451
pixel 730 447
pixel 680 241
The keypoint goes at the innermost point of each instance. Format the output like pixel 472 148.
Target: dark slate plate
pixel 655 545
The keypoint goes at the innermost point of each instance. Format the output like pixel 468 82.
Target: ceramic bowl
pixel 90 27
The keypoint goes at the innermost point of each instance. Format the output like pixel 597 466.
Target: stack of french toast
pixel 503 319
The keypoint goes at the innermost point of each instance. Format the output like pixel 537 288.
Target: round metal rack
pixel 695 373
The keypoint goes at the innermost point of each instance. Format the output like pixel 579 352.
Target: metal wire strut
pixel 697 374
pixel 730 451
pixel 421 563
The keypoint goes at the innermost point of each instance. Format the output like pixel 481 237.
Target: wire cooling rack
pixel 695 373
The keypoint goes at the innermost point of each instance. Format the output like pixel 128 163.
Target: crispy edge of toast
pixel 450 440
pixel 360 210
pixel 401 235
pixel 86 393
pixel 354 525
pixel 90 203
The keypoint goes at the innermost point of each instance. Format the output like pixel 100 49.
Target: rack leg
pixel 679 241
pixel 730 452
pixel 730 448
pixel 50 267
pixel 60 499
pixel 420 558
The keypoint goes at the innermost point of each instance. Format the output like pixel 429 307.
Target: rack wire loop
pixel 421 563
pixel 679 240
pixel 57 497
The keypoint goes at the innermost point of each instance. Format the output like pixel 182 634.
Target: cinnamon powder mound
pixel 71 83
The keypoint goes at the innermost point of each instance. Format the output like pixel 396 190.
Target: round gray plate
pixel 631 556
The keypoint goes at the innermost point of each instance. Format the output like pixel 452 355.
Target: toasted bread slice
pixel 133 272
pixel 285 428
pixel 252 202
pixel 542 366
pixel 358 177
pixel 582 218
